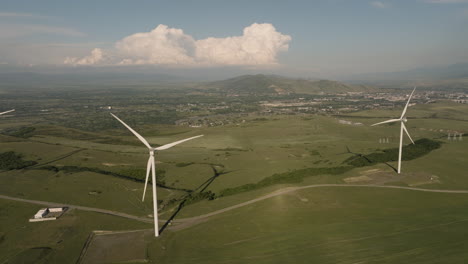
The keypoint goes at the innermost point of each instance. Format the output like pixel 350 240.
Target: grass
pixel 317 225
pixel 328 225
pixel 78 189
pixel 106 247
pixel 59 241
pixel 438 110
pixel 12 161
pixel 292 177
pixel 247 154
pixel 420 148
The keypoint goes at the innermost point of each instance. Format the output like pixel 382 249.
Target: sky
pixel 322 38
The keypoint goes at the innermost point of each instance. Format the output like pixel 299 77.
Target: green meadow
pixel 328 225
pixel 59 241
pixel 106 169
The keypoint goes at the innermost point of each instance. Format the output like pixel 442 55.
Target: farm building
pixel 41 213
pixel 46 214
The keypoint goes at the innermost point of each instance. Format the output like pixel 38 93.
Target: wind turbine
pixel 152 167
pixel 402 121
pixel 6 112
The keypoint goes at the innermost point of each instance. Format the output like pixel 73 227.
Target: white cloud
pixel 378 4
pixel 162 45
pixel 95 57
pixel 259 45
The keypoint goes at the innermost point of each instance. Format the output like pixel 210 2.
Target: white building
pixel 46 214
pixel 41 213
pixel 56 209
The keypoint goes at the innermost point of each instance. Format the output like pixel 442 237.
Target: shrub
pixel 420 148
pixel 12 161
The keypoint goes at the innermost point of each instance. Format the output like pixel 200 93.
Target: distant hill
pixel 273 84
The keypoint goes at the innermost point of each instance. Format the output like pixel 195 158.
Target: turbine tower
pixel 152 167
pixel 402 121
pixel 6 112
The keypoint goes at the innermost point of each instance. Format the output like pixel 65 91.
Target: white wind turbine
pixel 402 121
pixel 6 112
pixel 152 167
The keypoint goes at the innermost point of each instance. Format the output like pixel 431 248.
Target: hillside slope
pixel 272 84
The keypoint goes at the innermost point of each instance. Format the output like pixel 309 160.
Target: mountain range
pixel 274 84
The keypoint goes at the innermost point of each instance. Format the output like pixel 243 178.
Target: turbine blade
pixel 170 145
pixel 148 168
pixel 407 103
pixel 6 112
pixel 388 121
pixel 142 139
pixel 404 128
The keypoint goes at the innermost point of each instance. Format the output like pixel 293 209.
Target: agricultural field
pixel 218 178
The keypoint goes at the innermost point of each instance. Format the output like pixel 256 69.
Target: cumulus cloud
pixel 258 45
pixel 162 45
pixel 95 57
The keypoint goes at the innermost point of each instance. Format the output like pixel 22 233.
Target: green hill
pixel 273 84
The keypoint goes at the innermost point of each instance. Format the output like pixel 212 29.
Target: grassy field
pixel 242 154
pixel 327 225
pixel 59 241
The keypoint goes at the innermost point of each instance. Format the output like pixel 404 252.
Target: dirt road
pixel 79 207
pixel 183 223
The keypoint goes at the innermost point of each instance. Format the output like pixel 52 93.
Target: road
pixel 79 207
pixel 187 222
pixel 183 223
